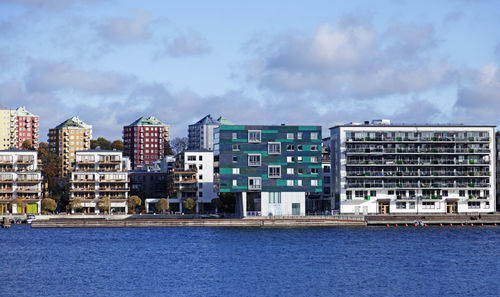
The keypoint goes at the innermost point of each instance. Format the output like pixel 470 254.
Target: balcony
pixel 406 185
pixel 417 139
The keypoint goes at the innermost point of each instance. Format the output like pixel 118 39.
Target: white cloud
pixel 350 60
pixel 190 43
pixel 45 76
pixel 126 30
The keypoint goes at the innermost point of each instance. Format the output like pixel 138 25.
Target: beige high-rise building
pixel 7 127
pixel 68 137
pixel 17 126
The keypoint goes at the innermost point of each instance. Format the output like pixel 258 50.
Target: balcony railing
pixel 380 174
pixel 358 151
pixel 418 139
pixel 407 162
pixel 415 185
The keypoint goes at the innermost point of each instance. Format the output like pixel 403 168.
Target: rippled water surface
pixel 433 261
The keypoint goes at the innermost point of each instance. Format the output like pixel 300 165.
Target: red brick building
pixel 143 141
pixel 27 127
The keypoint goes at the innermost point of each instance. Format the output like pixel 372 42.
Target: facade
pixel 380 168
pixel 20 179
pixel 192 177
pixel 143 141
pixel 201 134
pixel 322 203
pixel 146 184
pixel 99 174
pixel 67 138
pixel 166 133
pixel 497 137
pixel 17 126
pixel 269 168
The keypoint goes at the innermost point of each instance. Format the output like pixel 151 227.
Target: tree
pixel 117 145
pixel 104 204
pixel 76 204
pixel 189 203
pixel 162 205
pixel 27 145
pixel 167 149
pixel 179 144
pixel 93 144
pixel 133 201
pixel 51 165
pixel 103 143
pixel 228 202
pixel 18 202
pixel 49 204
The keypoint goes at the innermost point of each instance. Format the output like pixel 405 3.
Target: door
pixel 295 209
pixel 451 207
pixel 383 207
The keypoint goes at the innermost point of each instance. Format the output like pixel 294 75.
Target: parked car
pixel 30 218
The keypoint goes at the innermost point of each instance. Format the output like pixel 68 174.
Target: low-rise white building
pixel 381 168
pixel 99 174
pixel 193 177
pixel 20 180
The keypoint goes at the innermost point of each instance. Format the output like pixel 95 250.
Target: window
pixel 235 182
pixel 400 205
pixel 474 204
pixel 314 159
pixel 289 136
pixel 461 193
pixel 299 159
pixel 411 205
pixel 254 160
pixel 314 135
pixel 274 197
pixel 200 166
pixel 314 147
pixel 236 147
pixel 235 135
pixel 254 183
pixel 290 147
pixel 445 193
pixel 236 171
pixel 299 147
pixel 314 182
pixel 253 135
pixel 487 204
pixel 348 195
pixel 200 185
pixel 428 205
pixel 373 193
pixel 299 135
pixel 200 194
pixel 200 177
pixel 289 171
pixel 274 148
pixel 300 170
pixel 314 170
pixel 274 171
pixel 290 159
pixel 191 158
pixel 235 159
pixel 289 183
pixel 299 182
pixel 200 158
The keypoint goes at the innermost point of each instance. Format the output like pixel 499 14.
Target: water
pixel 432 261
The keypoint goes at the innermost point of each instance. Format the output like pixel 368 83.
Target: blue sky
pixel 269 62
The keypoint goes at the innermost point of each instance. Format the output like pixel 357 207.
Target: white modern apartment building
pixel 100 174
pixel 193 177
pixel 381 168
pixel 20 180
pixel 201 134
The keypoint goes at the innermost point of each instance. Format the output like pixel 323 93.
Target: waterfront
pixel 348 261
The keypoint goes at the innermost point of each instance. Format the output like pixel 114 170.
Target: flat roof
pixel 413 125
pixel 98 151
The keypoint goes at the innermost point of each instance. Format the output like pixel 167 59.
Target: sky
pixel 254 62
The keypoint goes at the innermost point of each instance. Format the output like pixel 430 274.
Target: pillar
pixel 180 205
pixel 244 204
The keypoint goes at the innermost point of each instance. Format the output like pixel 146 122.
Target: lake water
pixel 364 261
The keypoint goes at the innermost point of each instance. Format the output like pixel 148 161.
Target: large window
pixel 274 171
pixel 254 160
pixel 314 135
pixel 254 183
pixel 274 148
pixel 474 204
pixel 274 197
pixel 253 135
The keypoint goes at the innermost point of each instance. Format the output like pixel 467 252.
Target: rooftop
pixel 22 111
pixel 74 122
pixel 151 121
pixel 387 123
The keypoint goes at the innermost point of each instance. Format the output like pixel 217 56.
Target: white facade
pixel 20 179
pixel 283 203
pixel 395 169
pixel 100 174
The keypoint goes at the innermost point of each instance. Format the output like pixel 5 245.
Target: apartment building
pixel 67 138
pixel 201 134
pixel 99 174
pixel 322 203
pixel 143 141
pixel 269 168
pixel 17 126
pixel 381 168
pixel 20 179
pixel 193 177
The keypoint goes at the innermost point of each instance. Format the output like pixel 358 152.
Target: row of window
pixel 275 147
pixel 193 158
pixel 410 193
pixel 255 159
pixel 433 205
pixel 255 183
pixel 254 136
pixel 274 171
